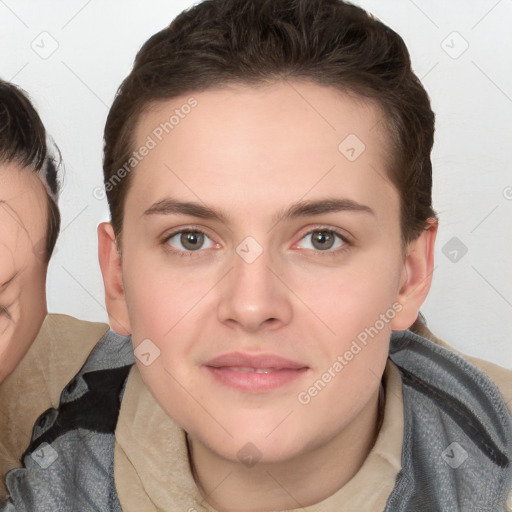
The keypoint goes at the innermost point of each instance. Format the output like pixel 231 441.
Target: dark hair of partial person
pixel 326 42
pixel 23 140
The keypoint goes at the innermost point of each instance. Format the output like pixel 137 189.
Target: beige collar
pixel 152 470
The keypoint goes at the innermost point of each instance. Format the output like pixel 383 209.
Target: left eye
pixel 323 240
pixel 189 241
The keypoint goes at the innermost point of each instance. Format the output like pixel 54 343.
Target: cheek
pixel 161 299
pixel 33 296
pixel 27 308
pixel 30 309
pixel 25 299
pixel 351 297
pixel 358 304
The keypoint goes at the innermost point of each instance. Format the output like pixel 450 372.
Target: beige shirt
pixel 152 469
pixel 57 354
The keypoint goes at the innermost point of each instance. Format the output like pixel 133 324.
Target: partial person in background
pixel 39 353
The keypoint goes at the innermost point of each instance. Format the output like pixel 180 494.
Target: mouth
pixel 251 370
pixel 254 373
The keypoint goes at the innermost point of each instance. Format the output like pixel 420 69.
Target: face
pixel 23 224
pixel 262 270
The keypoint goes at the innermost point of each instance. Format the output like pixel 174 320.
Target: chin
pixel 260 443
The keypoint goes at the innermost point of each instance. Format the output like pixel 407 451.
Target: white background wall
pixel 94 43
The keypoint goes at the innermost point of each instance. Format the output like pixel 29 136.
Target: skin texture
pixel 23 225
pixel 251 153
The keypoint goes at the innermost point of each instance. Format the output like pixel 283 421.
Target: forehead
pixel 242 141
pixel 306 109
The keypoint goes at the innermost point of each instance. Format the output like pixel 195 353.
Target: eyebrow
pixel 170 206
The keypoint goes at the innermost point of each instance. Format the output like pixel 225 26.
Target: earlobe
pixel 416 277
pixel 110 263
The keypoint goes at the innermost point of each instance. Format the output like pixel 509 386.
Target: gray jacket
pixel 456 454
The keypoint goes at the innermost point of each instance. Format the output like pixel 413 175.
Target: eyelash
pixel 327 253
pixel 5 311
pixel 347 244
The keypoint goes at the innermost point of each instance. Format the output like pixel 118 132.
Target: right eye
pixel 192 241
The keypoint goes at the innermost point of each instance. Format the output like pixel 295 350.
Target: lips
pixel 254 373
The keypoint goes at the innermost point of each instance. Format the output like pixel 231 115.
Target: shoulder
pixel 72 447
pixel 69 332
pixel 501 377
pixel 455 417
pixel 60 349
pixel 58 352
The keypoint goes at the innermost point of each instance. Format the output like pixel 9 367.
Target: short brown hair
pixel 327 42
pixel 23 140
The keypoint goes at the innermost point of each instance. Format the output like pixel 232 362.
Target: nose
pixel 252 297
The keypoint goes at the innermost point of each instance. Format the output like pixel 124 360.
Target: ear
pixel 111 268
pixel 416 276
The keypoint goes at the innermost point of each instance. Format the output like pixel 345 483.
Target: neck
pixel 308 478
